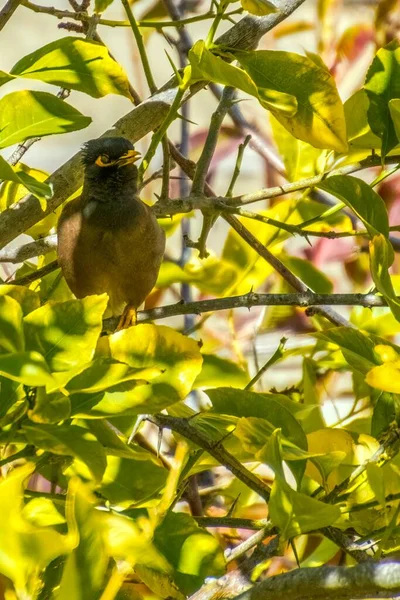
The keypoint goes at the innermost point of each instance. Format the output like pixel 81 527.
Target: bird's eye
pixel 103 160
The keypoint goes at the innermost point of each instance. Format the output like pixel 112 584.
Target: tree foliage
pixel 95 504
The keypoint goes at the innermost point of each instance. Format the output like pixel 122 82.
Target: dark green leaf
pixel 362 199
pixel 132 481
pixel 382 84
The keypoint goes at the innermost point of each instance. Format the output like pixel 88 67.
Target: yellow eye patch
pixel 104 161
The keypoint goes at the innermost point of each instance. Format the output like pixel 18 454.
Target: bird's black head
pixel 110 162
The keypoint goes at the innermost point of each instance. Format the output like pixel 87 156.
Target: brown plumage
pixel 108 239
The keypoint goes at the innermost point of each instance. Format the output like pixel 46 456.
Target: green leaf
pixel 359 133
pixel 49 408
pixel 70 440
pixel 314 278
pixel 356 346
pixel 26 298
pixel 294 513
pixel 382 84
pixel 376 480
pixel 301 159
pixel 194 553
pixel 132 481
pixel 86 566
pixel 29 368
pixel 75 64
pixel 105 373
pixel 381 258
pixel 11 331
pixel 66 332
pixel 260 8
pixel 206 66
pixel 319 119
pixel 362 199
pixel 271 407
pixel 216 371
pixel 394 107
pixel 29 549
pixel 42 191
pixel 101 5
pixel 27 114
pixel 157 346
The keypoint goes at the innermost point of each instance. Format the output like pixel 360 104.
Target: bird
pixel 108 239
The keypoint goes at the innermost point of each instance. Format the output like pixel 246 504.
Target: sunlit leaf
pixel 26 549
pixel 382 84
pixel 177 356
pixel 49 408
pixel 29 368
pixel 86 566
pixel 11 332
pixel 70 440
pixel 258 7
pixel 42 191
pixel 66 332
pixel 76 64
pixel 362 199
pixel 301 159
pixel 207 66
pixel 319 119
pixel 27 114
pixel 13 191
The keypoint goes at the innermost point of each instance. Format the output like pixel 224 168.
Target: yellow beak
pixel 129 157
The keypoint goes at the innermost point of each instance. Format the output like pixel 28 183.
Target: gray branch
pixel 366 580
pixel 29 250
pixel 302 300
pixel 135 125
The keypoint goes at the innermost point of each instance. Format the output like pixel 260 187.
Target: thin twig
pixel 141 48
pixel 203 164
pixel 238 165
pixel 67 14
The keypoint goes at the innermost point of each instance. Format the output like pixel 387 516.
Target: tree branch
pixel 215 449
pixel 367 580
pixel 29 250
pixel 7 12
pixel 136 124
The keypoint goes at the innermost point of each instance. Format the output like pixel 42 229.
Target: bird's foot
pixel 128 318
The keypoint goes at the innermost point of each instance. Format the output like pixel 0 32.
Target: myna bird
pixel 108 239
